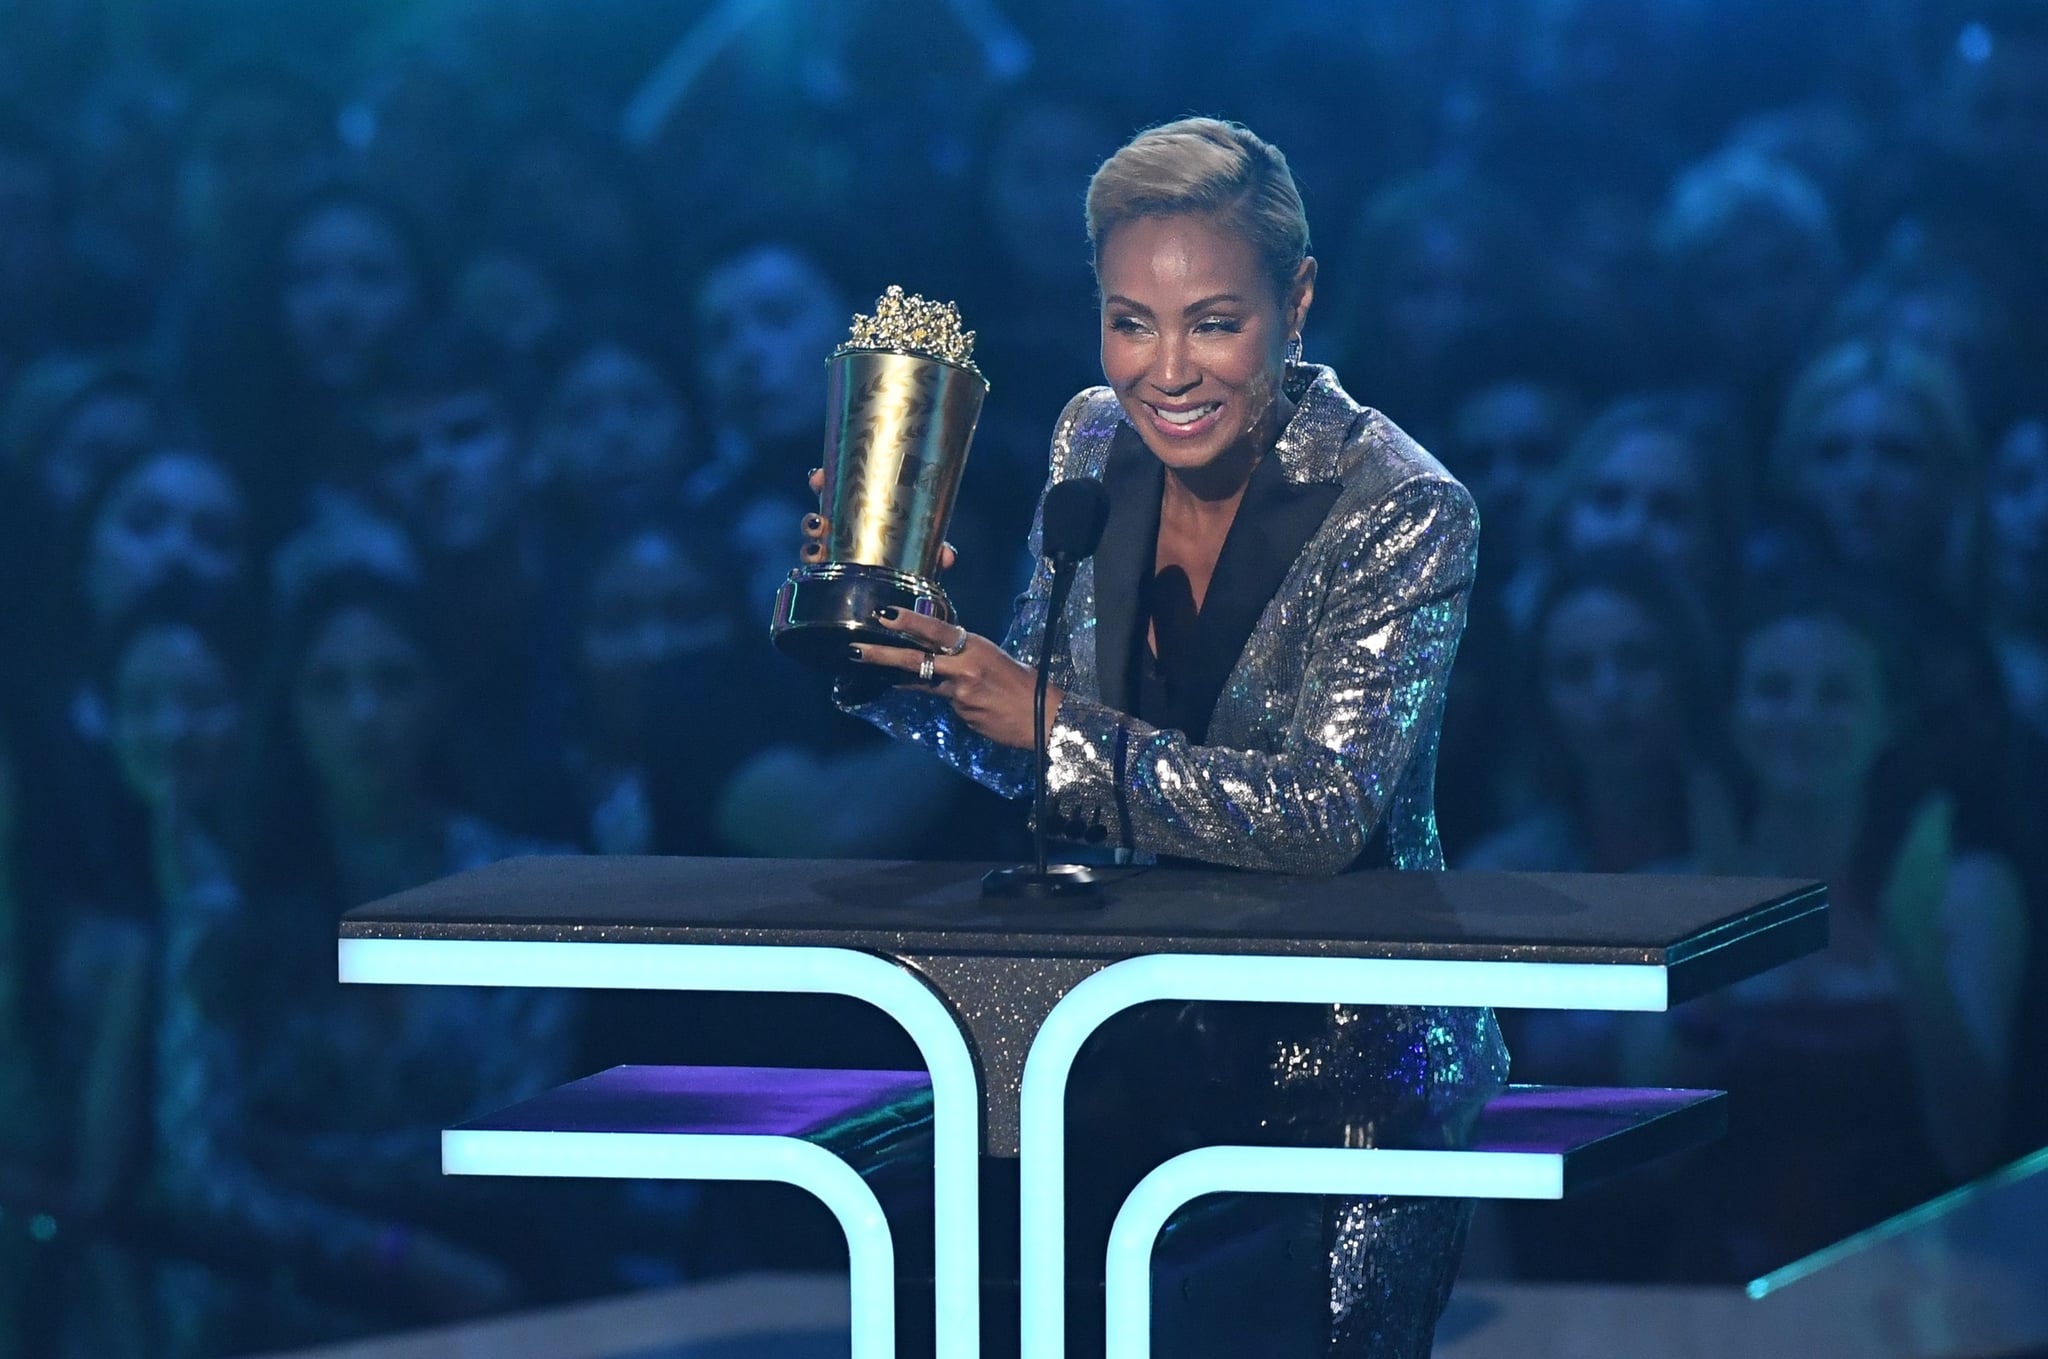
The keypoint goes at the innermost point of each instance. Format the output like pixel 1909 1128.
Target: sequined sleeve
pixel 1368 698
pixel 927 720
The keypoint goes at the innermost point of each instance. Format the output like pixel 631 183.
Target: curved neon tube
pixel 870 1250
pixel 956 1090
pixel 1329 981
pixel 1353 1172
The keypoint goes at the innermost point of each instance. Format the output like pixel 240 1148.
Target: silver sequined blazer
pixel 1320 754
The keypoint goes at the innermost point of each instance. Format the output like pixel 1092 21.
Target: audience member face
pixel 1811 714
pixel 107 429
pixel 2019 514
pixel 1506 439
pixel 615 430
pixel 175 721
pixel 349 288
pixel 1605 686
pixel 363 705
pixel 454 470
pixel 650 608
pixel 1645 493
pixel 1194 335
pixel 1870 475
pixel 770 318
pixel 176 512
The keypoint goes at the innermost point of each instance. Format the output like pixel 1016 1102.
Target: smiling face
pixel 1811 712
pixel 1606 688
pixel 1870 473
pixel 175 720
pixel 1645 493
pixel 1194 336
pixel 177 512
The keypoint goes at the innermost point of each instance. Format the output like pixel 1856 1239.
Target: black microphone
pixel 1070 525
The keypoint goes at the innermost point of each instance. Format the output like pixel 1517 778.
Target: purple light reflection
pixel 1558 1119
pixel 728 1100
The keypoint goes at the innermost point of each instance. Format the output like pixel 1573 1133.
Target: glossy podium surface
pixel 999 997
pixel 1001 966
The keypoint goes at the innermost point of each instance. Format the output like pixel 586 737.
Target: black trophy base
pixel 822 610
pixel 1025 882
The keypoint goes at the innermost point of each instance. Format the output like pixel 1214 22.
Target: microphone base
pixel 1070 882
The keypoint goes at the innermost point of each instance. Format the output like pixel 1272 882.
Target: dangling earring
pixel 1294 348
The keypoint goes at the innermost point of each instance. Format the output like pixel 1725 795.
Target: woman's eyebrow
pixel 1205 303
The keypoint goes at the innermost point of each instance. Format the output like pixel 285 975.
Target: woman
pixel 357 806
pixel 1877 443
pixel 1659 473
pixel 1260 645
pixel 1618 683
pixel 1872 1075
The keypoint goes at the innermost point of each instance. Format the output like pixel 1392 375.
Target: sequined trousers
pixel 1178 1076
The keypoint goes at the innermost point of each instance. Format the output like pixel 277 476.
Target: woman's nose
pixel 1173 373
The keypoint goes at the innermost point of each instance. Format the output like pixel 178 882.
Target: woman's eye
pixel 1227 325
pixel 1126 325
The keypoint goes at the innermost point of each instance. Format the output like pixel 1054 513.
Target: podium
pixel 999 998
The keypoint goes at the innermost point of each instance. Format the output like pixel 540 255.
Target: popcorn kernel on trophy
pixel 903 396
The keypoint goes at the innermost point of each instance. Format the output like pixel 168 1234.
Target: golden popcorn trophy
pixel 902 399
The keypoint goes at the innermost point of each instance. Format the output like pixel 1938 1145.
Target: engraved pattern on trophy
pixel 903 397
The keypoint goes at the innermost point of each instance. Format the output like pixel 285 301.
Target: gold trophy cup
pixel 903 396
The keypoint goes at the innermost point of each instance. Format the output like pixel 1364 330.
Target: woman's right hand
pixel 817 527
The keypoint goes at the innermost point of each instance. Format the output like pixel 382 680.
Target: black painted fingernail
pixel 853 654
pixel 888 615
pixel 813 522
pixel 817 471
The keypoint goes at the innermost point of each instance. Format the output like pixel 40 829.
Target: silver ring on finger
pixel 959 644
pixel 928 669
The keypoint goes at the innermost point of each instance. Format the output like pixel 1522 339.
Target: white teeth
pixel 1186 417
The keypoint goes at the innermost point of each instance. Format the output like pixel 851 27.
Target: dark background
pixel 404 409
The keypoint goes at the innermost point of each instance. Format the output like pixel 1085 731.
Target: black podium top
pixel 1002 965
pixel 1705 931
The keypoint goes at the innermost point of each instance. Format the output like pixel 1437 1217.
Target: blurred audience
pixel 404 415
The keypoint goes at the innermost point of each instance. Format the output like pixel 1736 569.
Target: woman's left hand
pixel 989 688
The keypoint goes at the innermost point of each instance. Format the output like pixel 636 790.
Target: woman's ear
pixel 1301 294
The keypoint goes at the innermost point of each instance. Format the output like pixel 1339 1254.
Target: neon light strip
pixel 956 1090
pixel 871 1252
pixel 1321 981
pixel 1293 1170
pixel 1912 1219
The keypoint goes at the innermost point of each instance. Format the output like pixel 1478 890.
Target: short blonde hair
pixel 1923 379
pixel 1208 166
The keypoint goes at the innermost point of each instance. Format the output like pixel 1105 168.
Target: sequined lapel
pixel 1311 446
pixel 1274 522
pixel 1134 480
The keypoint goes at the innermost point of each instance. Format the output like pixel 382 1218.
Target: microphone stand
pixel 1038 880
